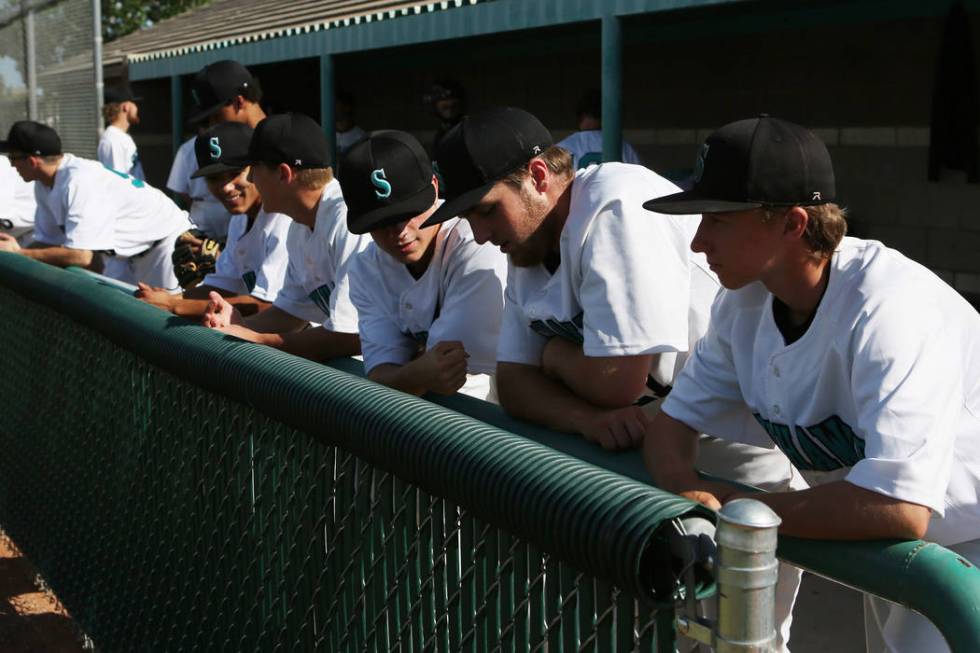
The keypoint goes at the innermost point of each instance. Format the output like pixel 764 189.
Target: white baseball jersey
pixel 882 389
pixel 207 213
pixel 117 150
pixel 17 204
pixel 586 149
pixel 254 259
pixel 317 284
pixel 628 283
pixel 346 139
pixel 459 297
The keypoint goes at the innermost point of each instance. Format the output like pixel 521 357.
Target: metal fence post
pixel 612 88
pixel 97 64
pixel 747 573
pixel 30 44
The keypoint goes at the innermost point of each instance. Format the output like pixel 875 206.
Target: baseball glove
pixel 194 257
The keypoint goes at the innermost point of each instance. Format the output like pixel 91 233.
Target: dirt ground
pixel 31 620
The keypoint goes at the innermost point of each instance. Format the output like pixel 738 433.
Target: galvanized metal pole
pixel 747 572
pixel 612 88
pixel 176 114
pixel 327 99
pixel 30 44
pixel 97 64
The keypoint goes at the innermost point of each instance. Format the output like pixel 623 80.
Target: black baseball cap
pixel 32 138
pixel 385 178
pixel 481 150
pixel 217 84
pixel 119 94
pixel 291 138
pixel 222 148
pixel 753 163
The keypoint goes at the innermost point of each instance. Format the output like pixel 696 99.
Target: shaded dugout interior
pixel 862 80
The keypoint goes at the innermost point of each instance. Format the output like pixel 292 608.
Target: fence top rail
pixel 593 509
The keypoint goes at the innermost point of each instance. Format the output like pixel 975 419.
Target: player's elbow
pixel 81 257
pixel 912 522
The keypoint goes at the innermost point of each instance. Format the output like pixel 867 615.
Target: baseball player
pixel 602 305
pixel 117 149
pixel 251 270
pixel 224 91
pixel 860 364
pixel 84 208
pixel 429 300
pixel 17 204
pixel 585 145
pixel 290 165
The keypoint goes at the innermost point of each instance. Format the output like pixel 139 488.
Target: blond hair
pixel 825 227
pixel 313 178
pixel 558 160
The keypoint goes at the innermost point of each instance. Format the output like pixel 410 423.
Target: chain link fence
pixel 47 69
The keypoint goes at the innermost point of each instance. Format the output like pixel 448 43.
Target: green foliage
pixel 120 17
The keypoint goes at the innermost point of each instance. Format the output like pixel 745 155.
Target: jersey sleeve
pixel 907 380
pixel 87 223
pixel 706 394
pixel 473 304
pixel 179 179
pixel 382 342
pixel 46 229
pixel 345 246
pixel 635 288
pixel 227 270
pixel 518 343
pixel 114 154
pixel 271 275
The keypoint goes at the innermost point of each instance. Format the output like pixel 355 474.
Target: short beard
pixel 535 249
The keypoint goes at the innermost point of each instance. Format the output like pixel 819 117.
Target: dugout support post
pixel 612 88
pixel 327 106
pixel 176 114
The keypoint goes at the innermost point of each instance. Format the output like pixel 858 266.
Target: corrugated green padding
pixel 182 490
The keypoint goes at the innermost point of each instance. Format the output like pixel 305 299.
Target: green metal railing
pixel 181 490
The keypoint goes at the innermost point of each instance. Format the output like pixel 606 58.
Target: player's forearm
pixel 670 451
pixel 844 511
pixel 60 256
pixel 400 377
pixel 315 344
pixel 606 381
pixel 275 321
pixel 526 393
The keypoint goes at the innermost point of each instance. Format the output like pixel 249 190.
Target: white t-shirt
pixel 586 149
pixel 459 297
pixel 628 283
pixel 95 208
pixel 207 213
pixel 317 284
pixel 254 260
pixel 346 139
pixel 883 389
pixel 17 203
pixel 117 150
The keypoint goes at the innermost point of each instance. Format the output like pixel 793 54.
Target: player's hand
pixel 443 367
pixel 703 497
pixel 619 428
pixel 8 243
pixel 220 313
pixel 154 296
pixel 557 351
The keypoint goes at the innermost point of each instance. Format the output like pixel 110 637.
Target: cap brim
pixel 216 168
pixel 406 209
pixel 202 114
pixel 459 204
pixel 689 202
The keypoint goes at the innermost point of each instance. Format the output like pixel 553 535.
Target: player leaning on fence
pixel 429 299
pixel 863 366
pixel 85 209
pixel 252 267
pixel 290 165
